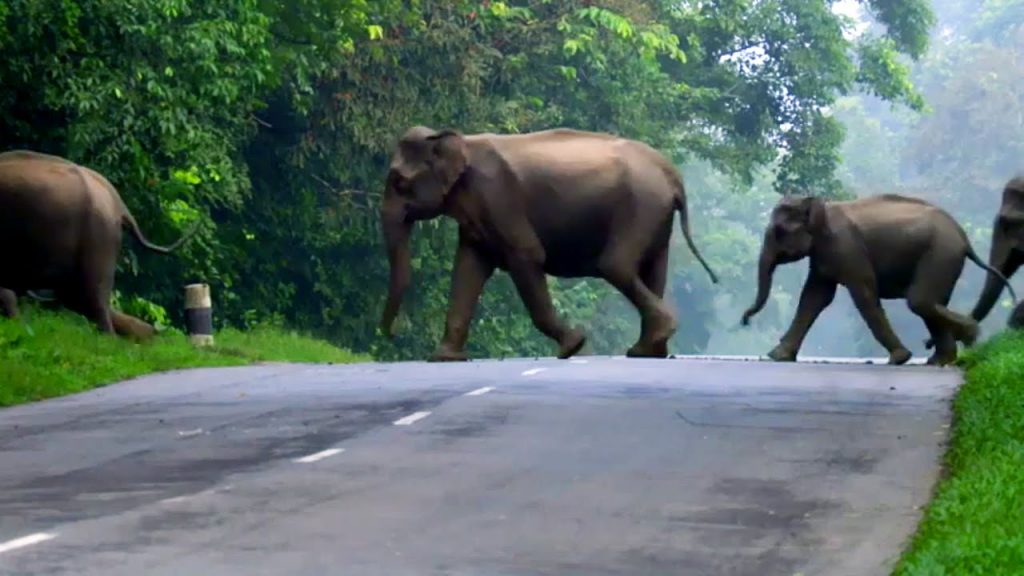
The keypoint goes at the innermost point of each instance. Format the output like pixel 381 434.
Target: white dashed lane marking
pixel 479 391
pixel 319 455
pixel 533 371
pixel 411 418
pixel 26 541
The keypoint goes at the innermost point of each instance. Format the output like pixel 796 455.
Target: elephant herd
pixel 560 202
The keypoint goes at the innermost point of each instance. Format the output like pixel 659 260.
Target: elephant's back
pixel 43 193
pixel 41 218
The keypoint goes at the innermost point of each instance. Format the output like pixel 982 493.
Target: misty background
pixel 958 154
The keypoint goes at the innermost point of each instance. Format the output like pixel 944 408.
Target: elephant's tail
pixel 133 227
pixel 684 223
pixel 981 263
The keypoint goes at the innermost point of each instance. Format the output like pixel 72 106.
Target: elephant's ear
pixel 450 156
pixel 817 219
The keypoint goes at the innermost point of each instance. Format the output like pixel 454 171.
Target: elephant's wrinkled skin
pixel 559 202
pixel 886 246
pixel 62 223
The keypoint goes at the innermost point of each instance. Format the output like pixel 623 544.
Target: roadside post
pixel 199 314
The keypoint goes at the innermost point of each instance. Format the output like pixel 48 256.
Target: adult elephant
pixel 887 246
pixel 62 223
pixel 561 202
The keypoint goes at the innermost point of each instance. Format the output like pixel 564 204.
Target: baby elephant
pixel 886 246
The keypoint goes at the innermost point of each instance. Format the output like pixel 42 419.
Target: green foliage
pixel 47 354
pixel 270 123
pixel 961 151
pixel 972 525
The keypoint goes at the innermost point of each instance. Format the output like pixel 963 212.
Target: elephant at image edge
pixel 886 246
pixel 66 222
pixel 561 202
pixel 1007 252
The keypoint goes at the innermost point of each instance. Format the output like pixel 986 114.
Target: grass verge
pixel 46 354
pixel 975 522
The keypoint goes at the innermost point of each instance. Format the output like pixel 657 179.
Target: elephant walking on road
pixel 886 246
pixel 61 224
pixel 560 202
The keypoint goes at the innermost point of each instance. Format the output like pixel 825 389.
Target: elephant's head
pixel 794 224
pixel 425 167
pixel 1007 250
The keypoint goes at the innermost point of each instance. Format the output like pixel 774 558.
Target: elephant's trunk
pixel 999 258
pixel 397 230
pixel 765 270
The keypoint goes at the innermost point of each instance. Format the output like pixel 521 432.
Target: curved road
pixel 596 466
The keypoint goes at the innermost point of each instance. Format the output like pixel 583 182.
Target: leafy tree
pixel 271 123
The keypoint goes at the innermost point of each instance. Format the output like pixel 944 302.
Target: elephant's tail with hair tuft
pixel 684 222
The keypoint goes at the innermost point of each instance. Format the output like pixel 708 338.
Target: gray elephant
pixel 887 246
pixel 560 202
pixel 62 225
pixel 1007 252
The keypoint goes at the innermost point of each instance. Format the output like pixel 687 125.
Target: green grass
pixel 975 522
pixel 45 354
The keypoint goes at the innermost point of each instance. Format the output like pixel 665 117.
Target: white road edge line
pixel 319 455
pixel 577 361
pixel 479 391
pixel 26 541
pixel 414 417
pixel 533 371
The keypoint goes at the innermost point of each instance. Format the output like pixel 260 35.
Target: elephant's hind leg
pixel 965 329
pixel 654 274
pixel 927 297
pixel 88 293
pixel 658 324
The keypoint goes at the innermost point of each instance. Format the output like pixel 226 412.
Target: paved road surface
pixel 593 467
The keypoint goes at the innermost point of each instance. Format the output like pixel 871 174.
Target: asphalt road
pixel 596 466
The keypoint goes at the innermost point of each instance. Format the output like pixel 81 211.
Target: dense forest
pixel 269 124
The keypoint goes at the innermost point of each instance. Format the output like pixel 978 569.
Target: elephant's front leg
pixel 471 272
pixel 527 273
pixel 816 295
pixel 866 299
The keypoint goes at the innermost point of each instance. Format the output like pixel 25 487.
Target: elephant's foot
pixel 899 356
pixel 571 343
pixel 655 343
pixel 446 354
pixel 941 359
pixel 131 327
pixel 646 350
pixel 782 353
